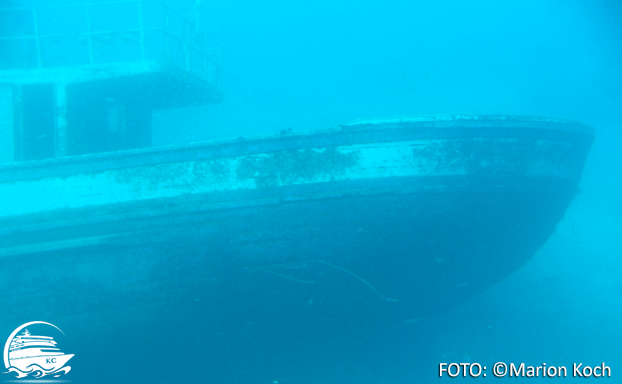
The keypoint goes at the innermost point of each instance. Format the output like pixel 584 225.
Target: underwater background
pixel 305 65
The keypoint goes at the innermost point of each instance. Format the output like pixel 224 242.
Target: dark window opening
pixel 37 122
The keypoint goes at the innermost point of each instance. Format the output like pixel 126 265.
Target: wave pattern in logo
pixel 37 371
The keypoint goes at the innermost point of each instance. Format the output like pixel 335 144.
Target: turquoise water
pixel 311 65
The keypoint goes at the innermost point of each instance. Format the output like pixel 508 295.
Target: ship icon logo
pixel 28 355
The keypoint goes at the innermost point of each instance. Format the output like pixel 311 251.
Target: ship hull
pixel 49 362
pixel 416 214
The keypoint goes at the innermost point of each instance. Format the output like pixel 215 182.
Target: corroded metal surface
pixel 519 158
pixel 410 213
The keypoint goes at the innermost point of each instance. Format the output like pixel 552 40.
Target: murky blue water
pixel 314 64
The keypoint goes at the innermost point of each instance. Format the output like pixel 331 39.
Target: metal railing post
pixel 142 30
pixel 37 37
pixel 60 123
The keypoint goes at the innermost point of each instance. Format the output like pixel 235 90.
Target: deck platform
pixel 90 84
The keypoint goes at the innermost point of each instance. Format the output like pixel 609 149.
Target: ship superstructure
pixel 86 78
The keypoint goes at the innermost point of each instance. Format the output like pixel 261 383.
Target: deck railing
pixel 123 31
